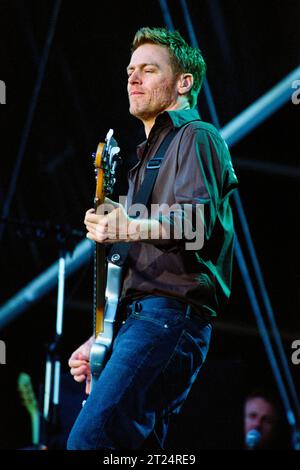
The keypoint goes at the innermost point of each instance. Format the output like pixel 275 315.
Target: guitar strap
pixel 119 251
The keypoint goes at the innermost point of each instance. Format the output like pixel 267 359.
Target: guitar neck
pixel 106 159
pixel 99 288
pixel 35 428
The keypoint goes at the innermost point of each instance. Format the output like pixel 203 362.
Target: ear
pixel 185 83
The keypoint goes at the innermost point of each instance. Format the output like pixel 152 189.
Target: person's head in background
pixel 263 413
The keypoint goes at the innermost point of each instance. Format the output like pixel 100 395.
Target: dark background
pixel 248 47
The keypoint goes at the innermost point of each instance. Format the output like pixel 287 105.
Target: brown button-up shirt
pixel 196 173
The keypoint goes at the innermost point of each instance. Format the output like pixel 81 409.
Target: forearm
pixel 184 224
pixel 147 230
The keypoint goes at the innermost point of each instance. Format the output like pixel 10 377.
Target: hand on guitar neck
pixel 87 361
pixel 80 364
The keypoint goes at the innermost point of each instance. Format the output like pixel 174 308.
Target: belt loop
pixel 137 306
pixel 188 311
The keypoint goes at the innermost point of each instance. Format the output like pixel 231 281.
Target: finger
pixel 79 378
pixel 91 230
pixel 78 359
pixel 83 357
pixel 112 235
pixel 97 238
pixel 100 227
pixel 79 370
pixel 93 218
pixel 90 211
pixel 99 233
pixel 76 362
pixel 88 387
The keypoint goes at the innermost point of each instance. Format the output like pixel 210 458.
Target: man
pixel 263 414
pixel 172 287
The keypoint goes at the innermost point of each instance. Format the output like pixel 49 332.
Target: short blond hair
pixel 184 58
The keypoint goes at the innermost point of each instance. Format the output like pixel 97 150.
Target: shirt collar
pixel 176 118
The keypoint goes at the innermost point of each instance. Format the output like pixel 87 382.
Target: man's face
pixel 260 415
pixel 152 86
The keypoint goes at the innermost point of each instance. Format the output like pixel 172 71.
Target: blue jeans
pixel 155 359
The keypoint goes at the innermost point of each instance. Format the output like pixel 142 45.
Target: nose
pixel 256 423
pixel 134 77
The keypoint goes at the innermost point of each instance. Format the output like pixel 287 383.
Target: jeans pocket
pixel 183 367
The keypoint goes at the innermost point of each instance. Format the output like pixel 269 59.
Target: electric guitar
pixel 107 276
pixel 30 403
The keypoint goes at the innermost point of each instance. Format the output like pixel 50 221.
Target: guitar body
pixel 107 276
pixel 103 342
